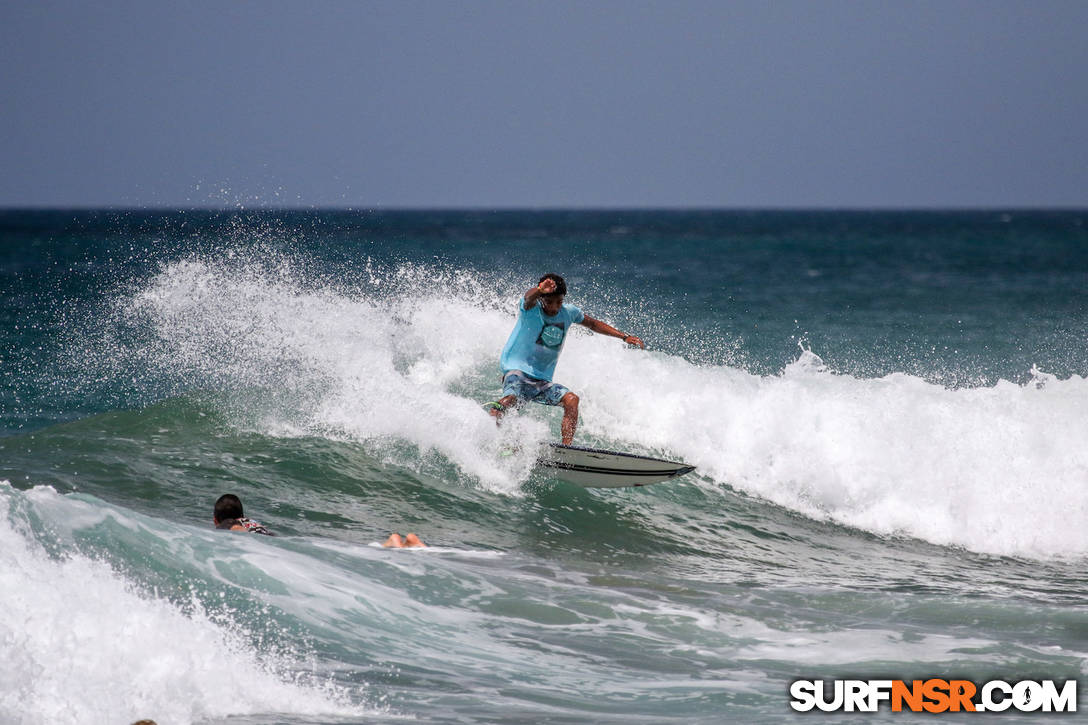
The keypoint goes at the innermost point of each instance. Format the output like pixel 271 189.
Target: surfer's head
pixel 560 285
pixel 553 301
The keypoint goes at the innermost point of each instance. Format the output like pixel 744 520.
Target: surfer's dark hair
pixel 227 507
pixel 560 285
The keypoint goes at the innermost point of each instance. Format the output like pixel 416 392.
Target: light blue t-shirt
pixel 536 340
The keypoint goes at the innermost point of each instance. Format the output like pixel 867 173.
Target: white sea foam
pixel 999 469
pixel 378 369
pixel 79 645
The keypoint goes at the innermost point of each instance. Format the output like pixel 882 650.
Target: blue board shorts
pixel 523 387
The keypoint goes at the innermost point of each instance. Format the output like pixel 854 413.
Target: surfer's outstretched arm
pixel 604 328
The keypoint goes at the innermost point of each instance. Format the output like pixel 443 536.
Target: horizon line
pixel 538 209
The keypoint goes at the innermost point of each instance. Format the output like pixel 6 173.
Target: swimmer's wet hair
pixel 228 506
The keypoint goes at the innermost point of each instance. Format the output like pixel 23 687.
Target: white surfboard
pixel 594 468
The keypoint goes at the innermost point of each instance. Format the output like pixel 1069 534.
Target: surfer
pixel 228 515
pixel 530 354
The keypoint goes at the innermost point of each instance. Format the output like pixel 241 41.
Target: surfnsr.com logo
pixel 933 695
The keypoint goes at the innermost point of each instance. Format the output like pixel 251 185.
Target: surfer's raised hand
pixel 632 340
pixel 547 287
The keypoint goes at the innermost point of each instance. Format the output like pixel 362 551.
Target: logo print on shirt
pixel 551 336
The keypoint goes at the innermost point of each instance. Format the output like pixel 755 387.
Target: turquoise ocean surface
pixel 888 412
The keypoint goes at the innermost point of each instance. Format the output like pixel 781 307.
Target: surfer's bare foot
pixel 394 541
pixel 413 540
pixel 497 409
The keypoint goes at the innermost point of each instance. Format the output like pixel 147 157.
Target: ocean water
pixel 888 412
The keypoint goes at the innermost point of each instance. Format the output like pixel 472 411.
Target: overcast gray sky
pixel 947 103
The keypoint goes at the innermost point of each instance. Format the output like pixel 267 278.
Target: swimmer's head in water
pixel 228 507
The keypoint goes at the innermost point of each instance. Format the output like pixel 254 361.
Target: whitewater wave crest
pixel 405 360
